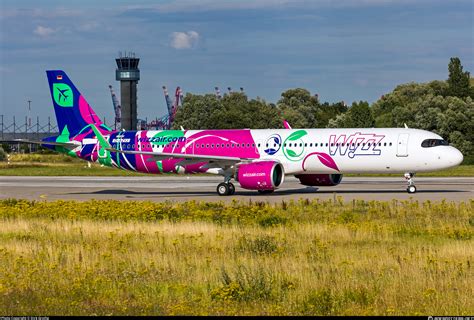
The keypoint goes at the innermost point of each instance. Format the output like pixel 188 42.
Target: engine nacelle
pixel 262 175
pixel 319 179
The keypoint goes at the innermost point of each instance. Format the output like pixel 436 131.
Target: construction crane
pixel 166 122
pixel 117 108
pixel 169 103
pixel 163 123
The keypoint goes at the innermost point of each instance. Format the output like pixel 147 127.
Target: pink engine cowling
pixel 319 179
pixel 262 175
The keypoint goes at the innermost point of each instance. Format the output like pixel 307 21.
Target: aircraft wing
pixel 69 145
pixel 188 159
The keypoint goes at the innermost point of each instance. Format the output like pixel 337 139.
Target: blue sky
pixel 343 50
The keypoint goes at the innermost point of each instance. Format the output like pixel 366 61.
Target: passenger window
pixel 390 144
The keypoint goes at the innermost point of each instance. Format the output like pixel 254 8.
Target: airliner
pixel 256 159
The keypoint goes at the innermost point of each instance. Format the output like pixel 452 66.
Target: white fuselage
pixel 359 150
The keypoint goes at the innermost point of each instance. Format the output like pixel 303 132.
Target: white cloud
pixel 43 31
pixel 184 40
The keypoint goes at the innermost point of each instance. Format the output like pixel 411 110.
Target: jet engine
pixel 319 179
pixel 262 175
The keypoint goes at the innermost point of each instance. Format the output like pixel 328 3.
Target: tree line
pixel 444 107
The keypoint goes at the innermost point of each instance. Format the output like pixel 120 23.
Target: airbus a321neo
pixel 257 159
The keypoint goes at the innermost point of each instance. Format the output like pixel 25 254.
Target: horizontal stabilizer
pixel 69 145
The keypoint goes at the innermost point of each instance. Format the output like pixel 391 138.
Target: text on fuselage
pixel 357 144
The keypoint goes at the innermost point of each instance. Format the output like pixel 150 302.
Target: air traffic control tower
pixel 128 74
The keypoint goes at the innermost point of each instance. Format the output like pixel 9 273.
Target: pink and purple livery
pixel 258 159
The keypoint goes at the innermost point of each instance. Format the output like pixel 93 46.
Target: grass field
pixel 296 258
pixel 60 165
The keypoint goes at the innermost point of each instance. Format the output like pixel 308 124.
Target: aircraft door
pixel 402 145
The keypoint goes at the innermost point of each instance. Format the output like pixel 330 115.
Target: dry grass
pixel 315 258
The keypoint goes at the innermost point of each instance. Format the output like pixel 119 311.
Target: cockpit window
pixel 428 143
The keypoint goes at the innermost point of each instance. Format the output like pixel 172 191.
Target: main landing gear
pixel 225 189
pixel 411 184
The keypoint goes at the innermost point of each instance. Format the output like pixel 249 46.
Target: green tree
pixel 197 111
pixel 359 115
pixel 458 80
pixel 327 111
pixel 3 154
pixel 299 108
pixel 233 111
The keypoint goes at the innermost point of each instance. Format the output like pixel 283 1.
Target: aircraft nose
pixel 455 157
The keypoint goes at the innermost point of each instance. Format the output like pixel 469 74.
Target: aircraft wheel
pixel 231 188
pixel 411 189
pixel 223 189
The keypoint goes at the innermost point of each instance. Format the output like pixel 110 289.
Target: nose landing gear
pixel 411 183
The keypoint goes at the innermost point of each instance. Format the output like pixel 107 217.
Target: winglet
pixel 182 129
pixel 406 127
pixel 102 141
pixel 286 124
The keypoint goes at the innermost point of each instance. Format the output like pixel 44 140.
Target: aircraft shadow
pixel 308 191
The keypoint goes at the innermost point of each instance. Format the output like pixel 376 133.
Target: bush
pixel 3 155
